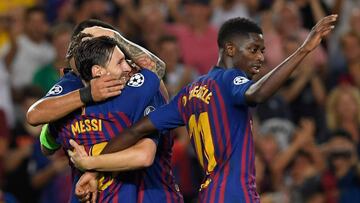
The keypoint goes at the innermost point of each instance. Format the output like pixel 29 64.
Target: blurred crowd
pixel 307 136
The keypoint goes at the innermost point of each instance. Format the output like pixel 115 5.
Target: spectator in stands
pixel 21 142
pixel 177 74
pixel 350 72
pixel 195 34
pixel 49 74
pixel 30 50
pixel 226 9
pixel 341 180
pixel 343 111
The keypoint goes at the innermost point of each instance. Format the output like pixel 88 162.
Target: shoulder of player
pixel 231 74
pixel 143 77
pixel 65 84
pixel 148 73
pixel 70 76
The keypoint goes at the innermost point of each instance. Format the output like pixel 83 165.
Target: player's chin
pixel 250 74
pixel 126 76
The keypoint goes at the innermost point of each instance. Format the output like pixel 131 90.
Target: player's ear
pixel 97 71
pixel 229 49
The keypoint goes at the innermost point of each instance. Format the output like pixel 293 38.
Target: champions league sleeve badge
pixel 55 90
pixel 239 80
pixel 148 110
pixel 136 80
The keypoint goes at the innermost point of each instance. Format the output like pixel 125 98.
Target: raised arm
pixel 270 83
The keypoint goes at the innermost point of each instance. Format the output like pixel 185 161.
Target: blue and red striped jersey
pixel 97 123
pixel 217 117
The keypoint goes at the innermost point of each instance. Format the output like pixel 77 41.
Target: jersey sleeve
pixel 141 88
pixel 237 84
pixel 167 116
pixel 69 82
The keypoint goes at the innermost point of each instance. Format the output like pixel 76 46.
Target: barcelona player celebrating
pixel 215 110
pixel 98 122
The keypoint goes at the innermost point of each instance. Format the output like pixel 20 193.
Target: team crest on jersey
pixel 148 110
pixel 55 90
pixel 136 80
pixel 240 80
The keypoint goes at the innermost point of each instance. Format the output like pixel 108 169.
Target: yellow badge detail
pixel 201 92
pixel 86 125
pixel 184 99
pixel 205 184
pixel 104 181
pixel 96 149
pixel 102 185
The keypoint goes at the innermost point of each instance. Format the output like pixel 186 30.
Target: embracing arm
pixel 140 155
pixel 140 56
pixel 130 136
pixel 271 82
pixel 50 109
pixel 115 156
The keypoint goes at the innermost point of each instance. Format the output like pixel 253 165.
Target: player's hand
pixel 86 187
pixel 97 31
pixel 78 156
pixel 319 31
pixel 106 86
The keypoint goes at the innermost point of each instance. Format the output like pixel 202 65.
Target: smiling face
pixel 116 66
pixel 247 53
pixel 99 56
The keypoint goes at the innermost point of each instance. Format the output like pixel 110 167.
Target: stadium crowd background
pixel 307 136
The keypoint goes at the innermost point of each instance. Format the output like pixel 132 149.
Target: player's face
pixel 249 53
pixel 117 65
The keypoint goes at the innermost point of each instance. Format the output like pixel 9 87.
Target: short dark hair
pixel 95 51
pixel 80 27
pixel 236 26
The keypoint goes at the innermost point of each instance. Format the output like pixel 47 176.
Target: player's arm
pixel 139 55
pixel 50 109
pixel 53 108
pixel 138 156
pixel 143 58
pixel 165 118
pixel 130 136
pixel 270 83
pixel 48 142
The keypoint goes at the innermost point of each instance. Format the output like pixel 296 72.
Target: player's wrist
pixel 88 164
pixel 85 95
pixel 47 140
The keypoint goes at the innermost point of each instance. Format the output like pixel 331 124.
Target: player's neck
pixel 225 62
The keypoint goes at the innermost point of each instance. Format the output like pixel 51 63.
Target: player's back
pixel 219 124
pixel 97 123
